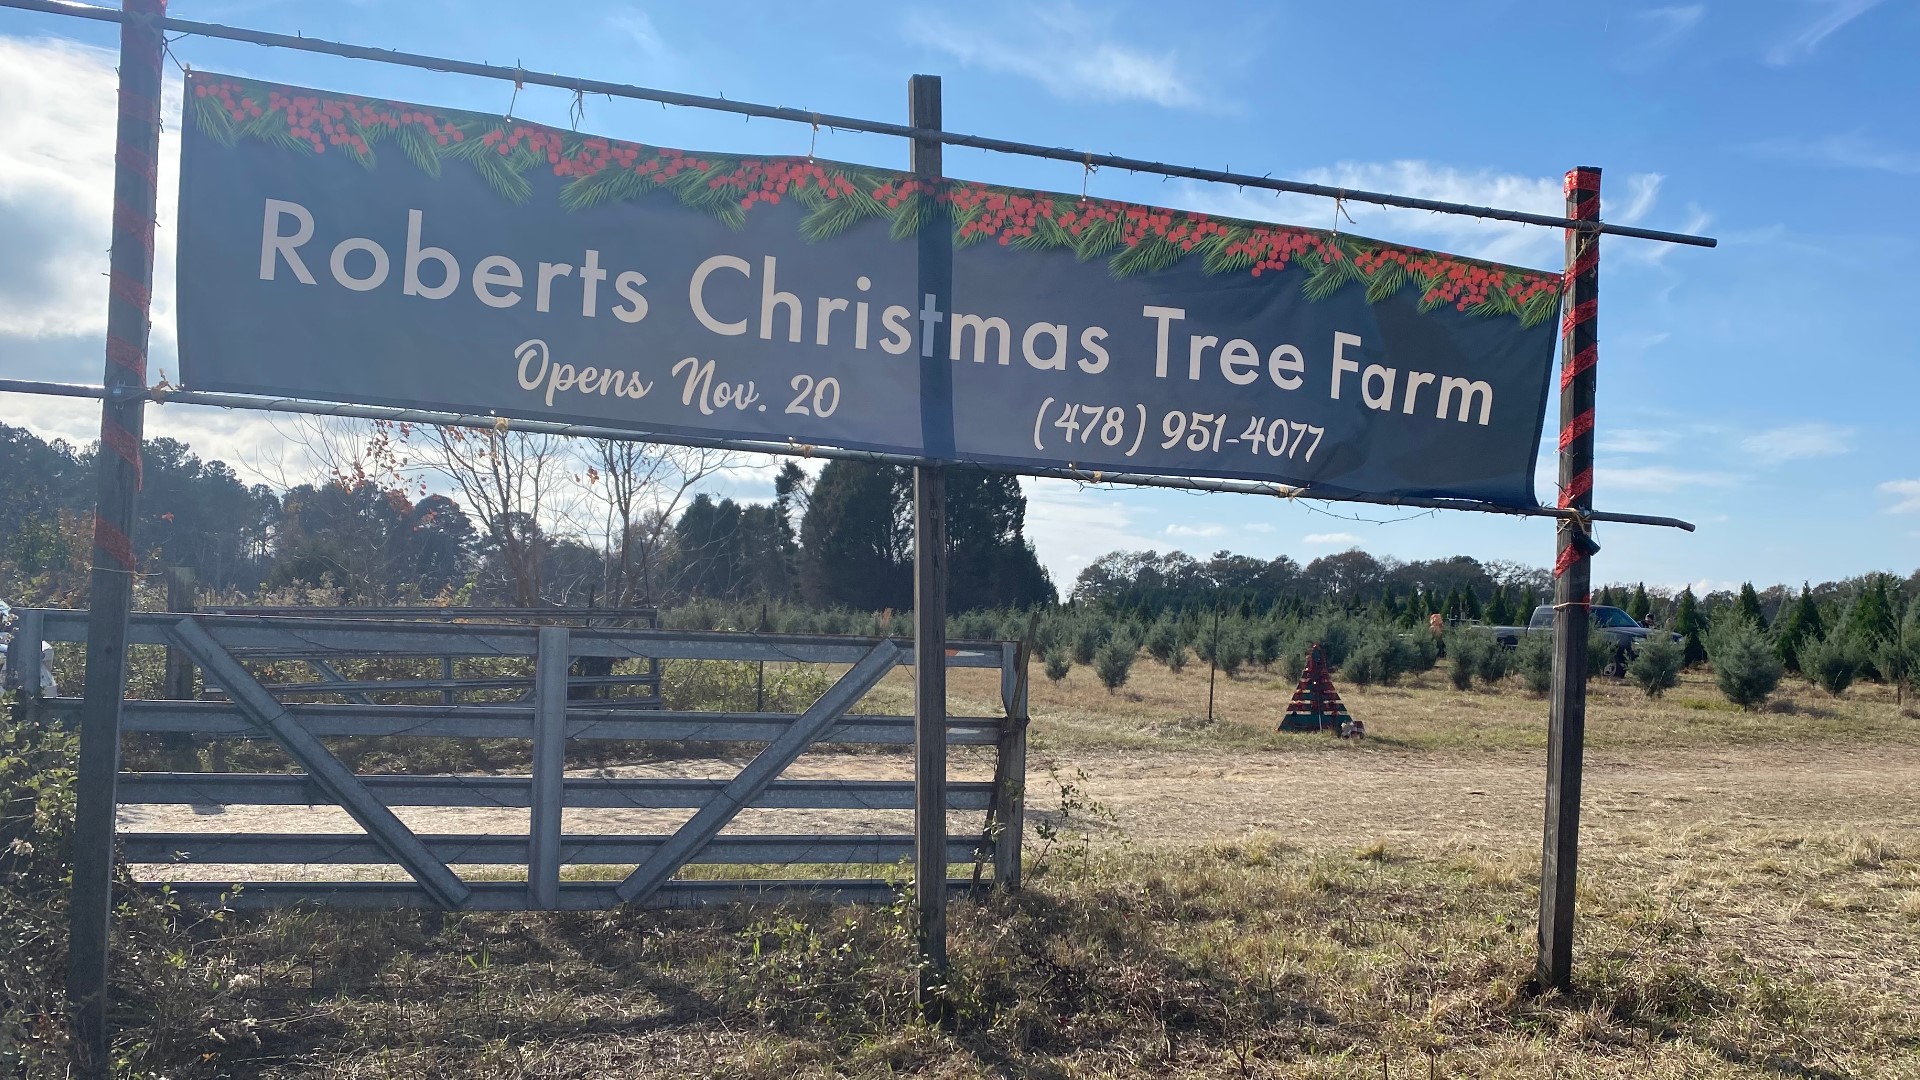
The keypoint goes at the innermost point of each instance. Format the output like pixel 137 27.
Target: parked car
pixel 1616 625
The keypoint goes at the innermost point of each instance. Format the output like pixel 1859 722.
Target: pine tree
pixel 1799 623
pixel 1474 611
pixel 1500 612
pixel 1748 607
pixel 1691 625
pixel 1606 598
pixel 1527 604
pixel 1871 621
pixel 1640 607
pixel 1454 604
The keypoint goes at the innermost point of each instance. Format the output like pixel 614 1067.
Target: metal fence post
pixel 23 668
pixel 1573 580
pixel 110 596
pixel 550 668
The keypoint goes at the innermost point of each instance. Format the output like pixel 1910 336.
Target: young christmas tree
pixel 1474 611
pixel 1748 606
pixel 1500 612
pixel 1800 622
pixel 1640 607
pixel 1691 625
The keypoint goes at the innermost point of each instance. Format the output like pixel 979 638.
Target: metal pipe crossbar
pixel 521 76
pixel 590 431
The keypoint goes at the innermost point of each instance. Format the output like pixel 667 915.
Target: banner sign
pixel 351 249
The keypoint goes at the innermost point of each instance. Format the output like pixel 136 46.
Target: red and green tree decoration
pixel 595 171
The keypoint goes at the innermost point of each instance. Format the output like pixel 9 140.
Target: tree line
pixel 528 521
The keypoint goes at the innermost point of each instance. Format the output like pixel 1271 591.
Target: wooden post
pixel 550 665
pixel 178 678
pixel 1010 771
pixel 110 599
pixel 1572 581
pixel 1213 655
pixel 930 576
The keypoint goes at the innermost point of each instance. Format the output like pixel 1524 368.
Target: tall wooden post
pixel 1572 583
pixel 122 416
pixel 930 569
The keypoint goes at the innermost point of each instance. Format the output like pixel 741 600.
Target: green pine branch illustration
pixel 595 172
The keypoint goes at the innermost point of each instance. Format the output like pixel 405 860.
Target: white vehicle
pixel 48 687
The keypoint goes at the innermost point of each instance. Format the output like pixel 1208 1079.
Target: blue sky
pixel 1768 390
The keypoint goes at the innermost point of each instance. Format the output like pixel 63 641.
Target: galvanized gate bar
pixel 574 895
pixel 666 793
pixel 255 637
pixel 549 767
pixel 226 720
pixel 336 683
pixel 325 769
pixel 759 773
pixel 510 849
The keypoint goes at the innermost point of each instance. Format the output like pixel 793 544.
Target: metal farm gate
pixel 554 709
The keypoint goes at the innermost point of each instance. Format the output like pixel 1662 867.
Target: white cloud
pixel 1634 441
pixel 1849 150
pixel 1796 441
pixel 56 204
pixel 1802 43
pixel 1501 241
pixel 1906 495
pixel 1658 479
pixel 1665 26
pixel 1330 538
pixel 1199 532
pixel 1072 525
pixel 638 25
pixel 1066 50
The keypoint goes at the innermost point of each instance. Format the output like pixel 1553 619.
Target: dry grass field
pixel 1204 900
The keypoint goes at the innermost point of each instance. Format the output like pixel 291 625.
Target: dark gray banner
pixel 350 249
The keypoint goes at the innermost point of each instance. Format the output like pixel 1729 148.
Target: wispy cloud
pixel 1797 441
pixel 1852 150
pixel 1634 441
pixel 1906 496
pixel 1805 41
pixel 1198 532
pixel 1663 28
pixel 1658 479
pixel 1330 538
pixel 1497 240
pixel 1070 52
pixel 638 26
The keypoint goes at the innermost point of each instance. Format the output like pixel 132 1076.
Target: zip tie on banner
pixel 815 140
pixel 1086 175
pixel 519 82
pixel 500 425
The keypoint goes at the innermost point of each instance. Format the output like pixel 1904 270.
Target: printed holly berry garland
pixel 1132 238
